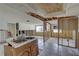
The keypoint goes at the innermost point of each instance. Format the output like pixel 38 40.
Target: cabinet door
pixel 34 50
pixel 25 53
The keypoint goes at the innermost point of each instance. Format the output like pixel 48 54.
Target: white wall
pixel 6 16
pixel 11 15
pixel 24 26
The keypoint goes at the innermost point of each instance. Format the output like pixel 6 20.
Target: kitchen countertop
pixel 16 45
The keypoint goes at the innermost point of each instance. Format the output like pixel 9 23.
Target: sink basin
pixel 19 41
pixel 23 39
pixel 29 37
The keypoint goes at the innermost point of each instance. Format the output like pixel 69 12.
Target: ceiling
pixel 51 8
pixel 47 7
pixel 16 13
pixel 18 10
pixel 53 22
pixel 41 8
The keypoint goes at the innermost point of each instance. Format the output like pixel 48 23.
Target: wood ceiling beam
pixel 47 18
pixel 55 18
pixel 36 16
pixel 51 18
pixel 67 17
pixel 40 17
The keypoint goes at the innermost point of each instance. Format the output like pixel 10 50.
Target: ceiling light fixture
pixel 27 21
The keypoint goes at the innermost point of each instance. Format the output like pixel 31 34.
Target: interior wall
pixel 25 26
pixel 38 33
pixel 12 29
pixel 10 15
pixel 66 34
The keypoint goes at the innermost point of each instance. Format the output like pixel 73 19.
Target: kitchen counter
pixel 26 48
pixel 16 45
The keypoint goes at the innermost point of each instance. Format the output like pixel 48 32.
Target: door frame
pixel 76 29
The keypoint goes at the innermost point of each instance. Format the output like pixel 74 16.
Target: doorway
pixel 67 31
pixel 64 31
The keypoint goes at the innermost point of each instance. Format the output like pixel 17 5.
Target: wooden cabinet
pixel 34 50
pixel 30 49
pixel 25 53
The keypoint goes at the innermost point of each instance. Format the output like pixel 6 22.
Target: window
pixel 55 29
pixel 39 28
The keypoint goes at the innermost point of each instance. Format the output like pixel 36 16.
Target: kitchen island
pixel 26 48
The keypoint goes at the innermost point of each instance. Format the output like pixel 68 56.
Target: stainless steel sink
pixel 29 37
pixel 23 39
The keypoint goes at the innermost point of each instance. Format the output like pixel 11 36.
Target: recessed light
pixel 27 21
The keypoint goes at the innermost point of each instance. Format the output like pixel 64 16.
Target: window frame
pixel 36 26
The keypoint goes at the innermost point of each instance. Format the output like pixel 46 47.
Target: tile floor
pixel 50 48
pixel 66 43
